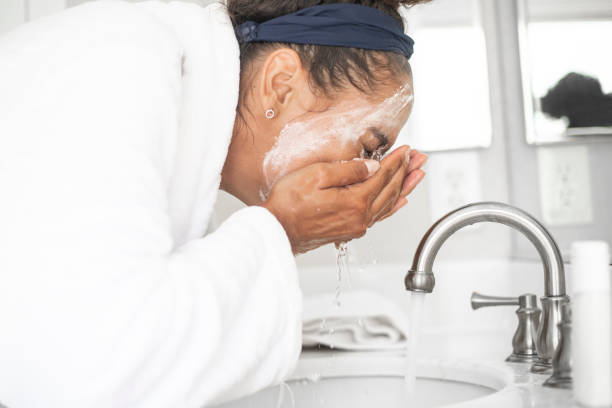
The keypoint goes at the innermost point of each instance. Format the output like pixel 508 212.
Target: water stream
pixel 414 323
pixel 342 270
pixel 414 327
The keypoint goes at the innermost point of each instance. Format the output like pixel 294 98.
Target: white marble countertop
pixel 533 394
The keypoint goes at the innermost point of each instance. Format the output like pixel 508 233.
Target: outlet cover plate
pixel 454 179
pixel 565 186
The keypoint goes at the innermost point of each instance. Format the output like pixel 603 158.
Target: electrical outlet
pixel 565 185
pixel 454 180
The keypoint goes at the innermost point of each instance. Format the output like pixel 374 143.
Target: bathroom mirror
pixel 450 69
pixel 566 68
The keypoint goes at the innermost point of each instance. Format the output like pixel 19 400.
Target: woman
pixel 119 123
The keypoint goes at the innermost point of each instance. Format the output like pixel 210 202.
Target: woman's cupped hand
pixel 334 202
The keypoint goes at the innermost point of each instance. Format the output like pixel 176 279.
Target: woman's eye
pixel 374 145
pixel 376 154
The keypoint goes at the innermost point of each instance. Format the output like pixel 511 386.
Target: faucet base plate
pixel 565 383
pixel 542 366
pixel 522 358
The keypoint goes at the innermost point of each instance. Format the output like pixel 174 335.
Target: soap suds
pixel 305 138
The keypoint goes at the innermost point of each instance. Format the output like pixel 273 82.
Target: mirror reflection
pixel 568 86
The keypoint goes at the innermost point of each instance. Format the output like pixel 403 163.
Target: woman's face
pixel 352 125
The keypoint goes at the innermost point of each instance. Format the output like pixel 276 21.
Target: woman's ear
pixel 283 80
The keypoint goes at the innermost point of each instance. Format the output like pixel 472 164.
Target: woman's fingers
pixel 411 181
pixel 398 176
pixel 342 174
pixel 399 205
pixel 417 160
pixel 393 163
pixel 389 196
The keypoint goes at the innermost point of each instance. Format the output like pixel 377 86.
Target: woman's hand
pixel 333 202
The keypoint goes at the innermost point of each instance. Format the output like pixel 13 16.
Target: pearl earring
pixel 270 113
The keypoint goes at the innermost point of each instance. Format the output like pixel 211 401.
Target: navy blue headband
pixel 336 24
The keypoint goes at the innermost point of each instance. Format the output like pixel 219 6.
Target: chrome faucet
pixel 420 277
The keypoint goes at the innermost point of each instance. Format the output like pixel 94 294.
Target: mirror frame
pixel 575 135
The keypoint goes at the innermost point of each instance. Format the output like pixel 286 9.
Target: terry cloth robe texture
pixel 115 121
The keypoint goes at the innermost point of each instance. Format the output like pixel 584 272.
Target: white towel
pixel 115 120
pixel 364 320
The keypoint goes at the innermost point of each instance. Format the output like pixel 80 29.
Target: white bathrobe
pixel 115 120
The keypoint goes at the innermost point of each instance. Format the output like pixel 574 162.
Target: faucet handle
pixel 524 340
pixel 526 301
pixel 478 300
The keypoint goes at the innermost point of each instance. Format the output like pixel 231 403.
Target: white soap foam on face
pixel 302 139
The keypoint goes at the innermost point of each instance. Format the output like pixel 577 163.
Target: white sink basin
pixel 354 380
pixel 362 392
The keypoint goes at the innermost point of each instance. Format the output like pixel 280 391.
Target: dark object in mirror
pixel 580 99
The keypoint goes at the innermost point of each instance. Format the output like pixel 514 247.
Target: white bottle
pixel 592 324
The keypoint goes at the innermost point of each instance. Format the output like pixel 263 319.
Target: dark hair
pixel 329 68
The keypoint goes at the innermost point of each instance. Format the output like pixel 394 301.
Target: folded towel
pixel 363 320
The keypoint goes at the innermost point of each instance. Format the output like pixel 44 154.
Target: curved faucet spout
pixel 421 279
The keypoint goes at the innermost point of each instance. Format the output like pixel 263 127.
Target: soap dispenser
pixel 592 324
